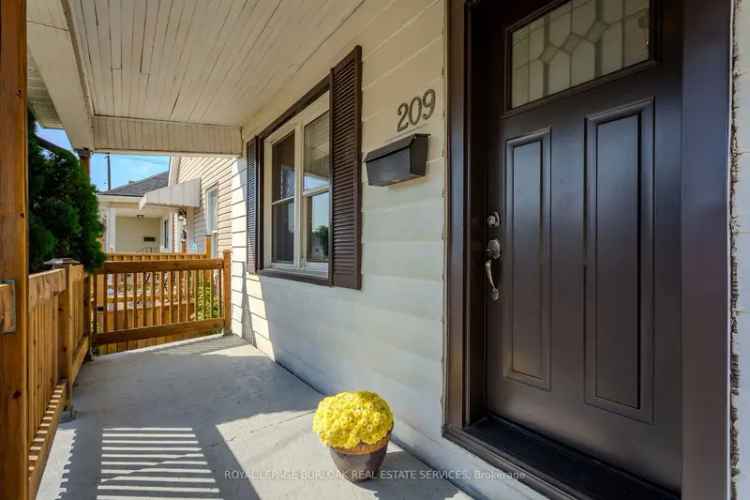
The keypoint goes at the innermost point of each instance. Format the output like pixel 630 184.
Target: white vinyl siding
pixel 389 336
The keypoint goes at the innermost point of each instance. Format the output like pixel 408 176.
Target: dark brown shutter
pixel 253 203
pixel 346 160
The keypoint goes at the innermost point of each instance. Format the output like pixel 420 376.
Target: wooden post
pixel 88 328
pixel 227 291
pixel 209 247
pixel 85 156
pixel 14 462
pixel 65 332
pixel 183 246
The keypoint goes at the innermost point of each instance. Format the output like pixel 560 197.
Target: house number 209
pixel 418 109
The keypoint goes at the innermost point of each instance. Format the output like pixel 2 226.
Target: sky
pixel 125 168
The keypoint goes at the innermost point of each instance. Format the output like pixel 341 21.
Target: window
pixel 304 185
pixel 165 224
pixel 212 219
pixel 212 210
pixel 577 42
pixel 297 166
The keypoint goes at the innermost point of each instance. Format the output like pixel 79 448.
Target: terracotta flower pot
pixel 361 462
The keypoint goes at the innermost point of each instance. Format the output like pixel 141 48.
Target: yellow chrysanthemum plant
pixel 349 419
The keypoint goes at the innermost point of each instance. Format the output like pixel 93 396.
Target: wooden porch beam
pixel 85 156
pixel 13 249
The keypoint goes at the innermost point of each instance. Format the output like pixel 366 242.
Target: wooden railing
pixel 57 346
pixel 149 257
pixel 141 300
pixel 125 300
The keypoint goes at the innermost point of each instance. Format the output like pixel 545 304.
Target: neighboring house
pixel 127 228
pixel 578 159
pixel 146 215
pixel 212 217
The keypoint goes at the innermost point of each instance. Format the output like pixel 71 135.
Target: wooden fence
pixel 57 346
pixel 139 303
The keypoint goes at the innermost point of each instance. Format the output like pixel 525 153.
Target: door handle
pixel 493 253
pixel 494 292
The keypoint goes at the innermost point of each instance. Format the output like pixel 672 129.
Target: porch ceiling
pixel 177 63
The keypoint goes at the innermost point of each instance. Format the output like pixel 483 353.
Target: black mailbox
pixel 401 160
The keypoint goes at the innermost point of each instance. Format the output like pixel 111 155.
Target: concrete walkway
pixel 208 419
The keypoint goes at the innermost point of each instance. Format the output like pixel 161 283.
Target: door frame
pixel 705 255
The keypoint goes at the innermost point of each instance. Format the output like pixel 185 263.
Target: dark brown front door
pixel 584 340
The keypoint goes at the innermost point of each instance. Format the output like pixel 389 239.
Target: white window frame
pixel 296 125
pixel 212 217
pixel 166 233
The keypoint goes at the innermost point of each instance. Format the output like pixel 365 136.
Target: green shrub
pixel 63 219
pixel 207 303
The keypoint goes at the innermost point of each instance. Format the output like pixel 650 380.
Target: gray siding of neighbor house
pixel 213 171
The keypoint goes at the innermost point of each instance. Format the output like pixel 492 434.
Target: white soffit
pixel 185 194
pixel 53 58
pixel 39 99
pixel 154 136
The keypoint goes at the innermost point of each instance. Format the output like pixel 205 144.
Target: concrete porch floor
pixel 207 419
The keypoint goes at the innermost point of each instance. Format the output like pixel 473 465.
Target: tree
pixel 63 218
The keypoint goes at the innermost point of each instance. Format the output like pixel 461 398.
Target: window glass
pixel 317 145
pixel 317 226
pixel 283 231
pixel 283 181
pixel 283 169
pixel 577 42
pixel 212 210
pixel 298 169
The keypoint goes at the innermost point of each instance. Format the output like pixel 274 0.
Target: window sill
pixel 315 279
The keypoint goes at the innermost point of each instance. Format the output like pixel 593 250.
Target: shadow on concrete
pixel 159 424
pixel 211 418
